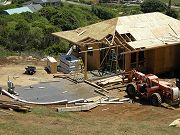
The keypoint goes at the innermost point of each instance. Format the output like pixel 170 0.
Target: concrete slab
pixel 56 91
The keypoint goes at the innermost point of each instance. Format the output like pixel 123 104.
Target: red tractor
pixel 151 88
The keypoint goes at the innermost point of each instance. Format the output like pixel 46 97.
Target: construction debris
pixel 76 101
pixel 110 80
pixel 175 123
pixel 15 106
pixel 61 76
pixel 106 101
pixel 93 84
pixel 98 91
pixel 86 107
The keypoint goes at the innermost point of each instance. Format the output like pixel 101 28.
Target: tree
pixel 103 12
pixel 48 12
pixel 172 13
pixel 153 6
pixel 19 1
pixel 22 34
pixel 57 48
pixel 66 20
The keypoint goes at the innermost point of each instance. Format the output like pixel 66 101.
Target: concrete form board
pixel 56 91
pixel 86 107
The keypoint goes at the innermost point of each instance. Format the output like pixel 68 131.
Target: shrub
pixel 56 49
pixel 103 12
pixel 153 6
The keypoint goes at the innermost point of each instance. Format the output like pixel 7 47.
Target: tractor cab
pixel 152 80
pixel 150 83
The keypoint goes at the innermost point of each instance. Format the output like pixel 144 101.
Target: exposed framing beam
pixel 127 38
pixel 122 44
pixel 146 49
pixel 119 46
pixel 88 40
pixel 91 43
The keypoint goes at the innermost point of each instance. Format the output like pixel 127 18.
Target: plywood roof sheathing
pixel 149 30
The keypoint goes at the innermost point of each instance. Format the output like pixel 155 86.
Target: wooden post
pixel 127 62
pixel 123 59
pixel 85 65
pixel 137 59
pixel 116 59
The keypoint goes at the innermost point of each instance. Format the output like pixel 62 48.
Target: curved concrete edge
pixel 36 103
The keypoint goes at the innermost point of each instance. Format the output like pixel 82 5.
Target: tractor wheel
pixel 156 99
pixel 131 90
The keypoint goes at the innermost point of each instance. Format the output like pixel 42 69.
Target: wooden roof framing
pixel 133 32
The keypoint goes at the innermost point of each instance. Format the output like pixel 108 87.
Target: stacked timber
pixel 110 80
pixel 15 106
pixel 69 63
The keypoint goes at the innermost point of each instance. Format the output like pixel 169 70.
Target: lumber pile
pixel 110 80
pixel 86 106
pixel 69 63
pixel 15 106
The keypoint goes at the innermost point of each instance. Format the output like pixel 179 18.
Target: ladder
pixel 112 61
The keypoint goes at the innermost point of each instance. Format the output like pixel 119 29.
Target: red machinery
pixel 151 88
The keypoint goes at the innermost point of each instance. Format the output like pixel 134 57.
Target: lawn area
pixel 117 120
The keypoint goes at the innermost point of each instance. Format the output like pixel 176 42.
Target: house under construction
pixel 148 42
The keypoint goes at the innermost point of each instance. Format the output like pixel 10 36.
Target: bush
pixel 56 49
pixel 103 12
pixel 5 53
pixel 153 6
pixel 172 13
pixel 89 2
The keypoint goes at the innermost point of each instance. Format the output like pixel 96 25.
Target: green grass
pixel 45 121
pixel 5 53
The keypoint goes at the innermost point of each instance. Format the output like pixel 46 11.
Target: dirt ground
pixel 126 119
pixel 14 67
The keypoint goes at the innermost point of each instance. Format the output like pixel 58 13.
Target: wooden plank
pixel 96 86
pixel 109 80
pixel 114 99
pixel 85 107
pixel 76 101
pixel 107 102
pixel 98 91
pixel 16 107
